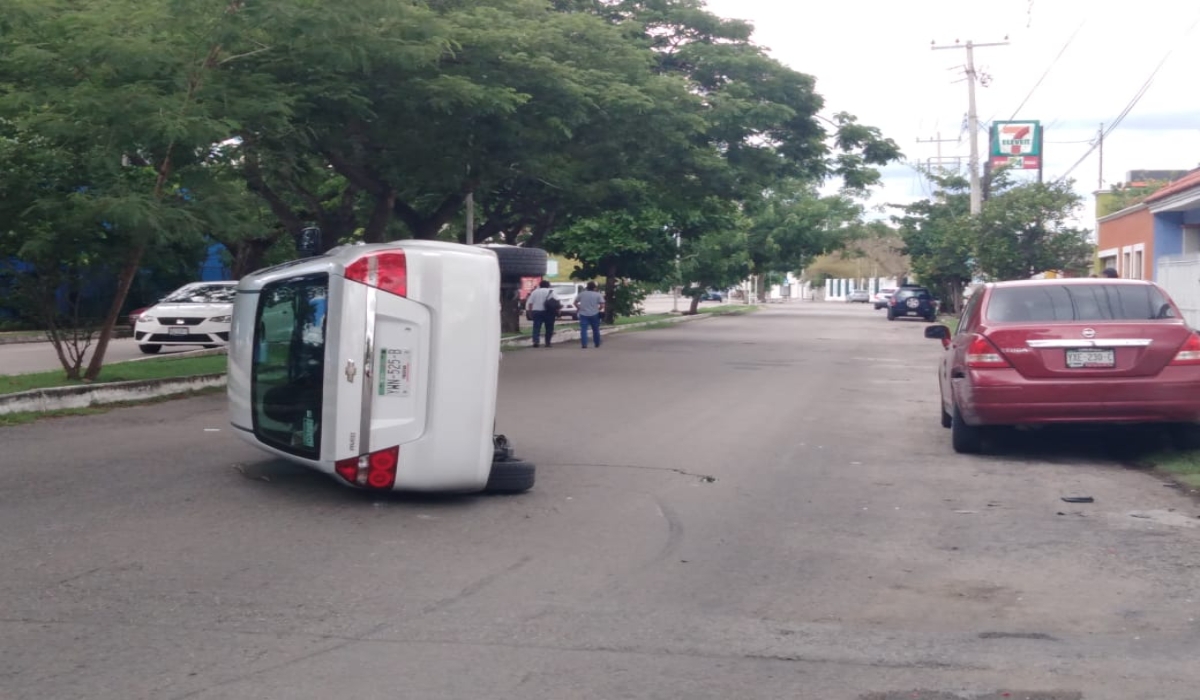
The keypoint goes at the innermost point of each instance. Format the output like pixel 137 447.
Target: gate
pixel 1180 276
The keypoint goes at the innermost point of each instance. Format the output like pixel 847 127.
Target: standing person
pixel 1111 273
pixel 536 305
pixel 590 304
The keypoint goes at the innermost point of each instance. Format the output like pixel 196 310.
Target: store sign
pixel 1016 145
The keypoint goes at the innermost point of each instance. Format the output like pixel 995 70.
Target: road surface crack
pixel 706 478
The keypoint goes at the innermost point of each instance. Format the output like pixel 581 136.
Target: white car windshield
pixel 202 294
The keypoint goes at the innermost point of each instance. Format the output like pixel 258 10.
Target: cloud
pixel 1161 121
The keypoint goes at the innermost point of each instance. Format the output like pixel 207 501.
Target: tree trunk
pixel 610 294
pixel 124 282
pixel 510 309
pixel 380 216
pixel 249 255
pixel 695 305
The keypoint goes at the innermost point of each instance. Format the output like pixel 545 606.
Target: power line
pixel 1048 69
pixel 1132 103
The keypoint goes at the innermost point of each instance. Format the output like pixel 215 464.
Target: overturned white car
pixel 378 365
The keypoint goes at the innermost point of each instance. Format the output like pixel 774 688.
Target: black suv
pixel 912 301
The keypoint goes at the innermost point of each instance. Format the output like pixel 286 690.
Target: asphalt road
pixel 747 507
pixel 21 358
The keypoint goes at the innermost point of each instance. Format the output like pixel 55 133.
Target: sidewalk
pixel 60 398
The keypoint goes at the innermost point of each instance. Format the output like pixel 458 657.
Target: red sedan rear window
pixel 1078 302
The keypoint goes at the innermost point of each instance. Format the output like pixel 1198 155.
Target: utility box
pixel 376 364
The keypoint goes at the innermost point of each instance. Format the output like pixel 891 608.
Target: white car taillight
pixel 376 470
pixel 386 270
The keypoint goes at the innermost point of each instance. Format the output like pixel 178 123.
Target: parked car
pixel 858 296
pixel 912 301
pixel 1068 351
pixel 880 299
pixel 568 294
pixel 712 295
pixel 195 314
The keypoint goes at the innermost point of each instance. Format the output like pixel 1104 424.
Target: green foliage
pixel 939 238
pixel 1025 229
pixel 1121 196
pixel 134 131
pixel 627 298
pixel 718 259
pixel 793 224
pixel 1022 230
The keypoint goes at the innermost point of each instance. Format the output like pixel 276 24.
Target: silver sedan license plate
pixel 177 331
pixel 1086 358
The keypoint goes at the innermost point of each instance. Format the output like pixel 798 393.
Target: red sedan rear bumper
pixel 1004 397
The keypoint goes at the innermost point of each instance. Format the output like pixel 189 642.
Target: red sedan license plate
pixel 1090 358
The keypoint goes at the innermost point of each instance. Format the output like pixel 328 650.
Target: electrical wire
pixel 1132 103
pixel 1048 69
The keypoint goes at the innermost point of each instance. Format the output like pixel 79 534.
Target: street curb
pixel 565 335
pixel 84 396
pixel 33 337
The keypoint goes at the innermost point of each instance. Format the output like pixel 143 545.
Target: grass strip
pixel 161 368
pixel 1183 466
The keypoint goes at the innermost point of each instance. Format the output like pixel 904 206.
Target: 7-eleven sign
pixel 1016 140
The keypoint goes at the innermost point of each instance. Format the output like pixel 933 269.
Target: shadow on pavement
pixel 306 486
pixel 1127 446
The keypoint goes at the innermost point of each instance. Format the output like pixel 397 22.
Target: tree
pixel 939 238
pixel 1121 196
pixel 632 244
pixel 128 93
pixel 718 259
pixel 791 226
pixel 1025 229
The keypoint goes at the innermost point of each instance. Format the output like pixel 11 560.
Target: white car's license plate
pixel 396 377
pixel 1091 357
pixel 177 331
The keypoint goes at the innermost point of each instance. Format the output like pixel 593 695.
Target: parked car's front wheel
pixel 150 349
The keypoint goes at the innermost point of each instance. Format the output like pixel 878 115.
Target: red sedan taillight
pixel 384 269
pixel 1189 352
pixel 376 470
pixel 981 354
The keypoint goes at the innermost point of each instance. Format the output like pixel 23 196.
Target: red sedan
pixel 1068 351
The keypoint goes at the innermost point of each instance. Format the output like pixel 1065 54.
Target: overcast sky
pixel 872 58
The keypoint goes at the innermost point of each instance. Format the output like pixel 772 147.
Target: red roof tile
pixel 1186 182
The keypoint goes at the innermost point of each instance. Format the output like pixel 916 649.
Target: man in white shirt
pixel 536 305
pixel 590 304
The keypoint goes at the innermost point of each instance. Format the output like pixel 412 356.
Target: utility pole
pixel 1100 143
pixel 939 141
pixel 972 115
